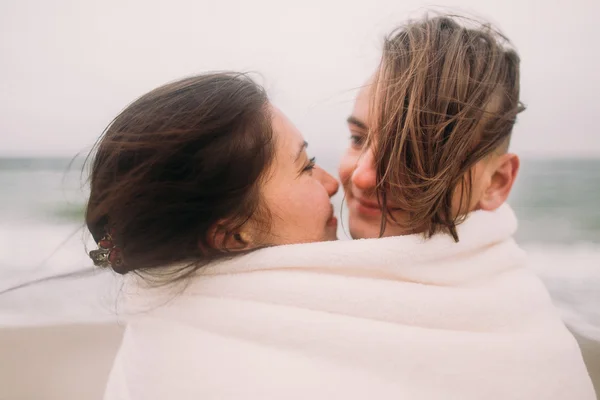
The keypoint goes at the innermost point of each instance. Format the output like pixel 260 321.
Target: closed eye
pixel 310 165
pixel 357 141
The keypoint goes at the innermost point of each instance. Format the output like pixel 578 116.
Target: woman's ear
pixel 222 238
pixel 502 175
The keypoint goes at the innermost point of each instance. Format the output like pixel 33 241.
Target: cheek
pixel 316 202
pixel 302 214
pixel 347 166
pixel 305 203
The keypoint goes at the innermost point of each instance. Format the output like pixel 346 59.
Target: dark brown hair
pixel 446 96
pixel 177 162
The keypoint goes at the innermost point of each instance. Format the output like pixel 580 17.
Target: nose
pixel 364 176
pixel 330 184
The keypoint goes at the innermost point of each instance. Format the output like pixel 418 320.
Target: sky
pixel 68 67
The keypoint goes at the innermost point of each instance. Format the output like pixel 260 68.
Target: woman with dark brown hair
pixel 200 169
pixel 190 175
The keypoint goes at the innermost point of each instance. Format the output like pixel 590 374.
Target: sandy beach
pixel 72 362
pixel 61 362
pixel 591 355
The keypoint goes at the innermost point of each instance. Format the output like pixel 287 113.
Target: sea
pixel 46 276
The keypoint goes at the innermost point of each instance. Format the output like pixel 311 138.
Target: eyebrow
pixel 352 120
pixel 302 147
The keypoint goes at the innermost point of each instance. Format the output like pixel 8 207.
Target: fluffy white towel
pixel 393 318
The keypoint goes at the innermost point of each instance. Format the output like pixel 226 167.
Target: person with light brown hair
pixel 429 170
pixel 440 112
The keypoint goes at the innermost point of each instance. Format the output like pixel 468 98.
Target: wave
pixel 572 276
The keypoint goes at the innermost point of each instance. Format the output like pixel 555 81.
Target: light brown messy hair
pixel 446 96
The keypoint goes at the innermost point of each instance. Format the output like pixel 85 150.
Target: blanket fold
pixel 392 318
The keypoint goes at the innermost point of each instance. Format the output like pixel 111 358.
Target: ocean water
pixel 41 235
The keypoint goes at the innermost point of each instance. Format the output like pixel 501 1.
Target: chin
pixel 363 230
pixel 370 228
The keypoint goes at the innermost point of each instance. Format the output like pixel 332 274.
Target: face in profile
pixel 296 192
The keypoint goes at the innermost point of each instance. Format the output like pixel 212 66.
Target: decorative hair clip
pixel 107 255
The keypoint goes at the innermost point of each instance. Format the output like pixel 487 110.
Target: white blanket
pixel 392 318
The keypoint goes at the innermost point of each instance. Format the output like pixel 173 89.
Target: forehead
pixel 361 104
pixel 288 136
